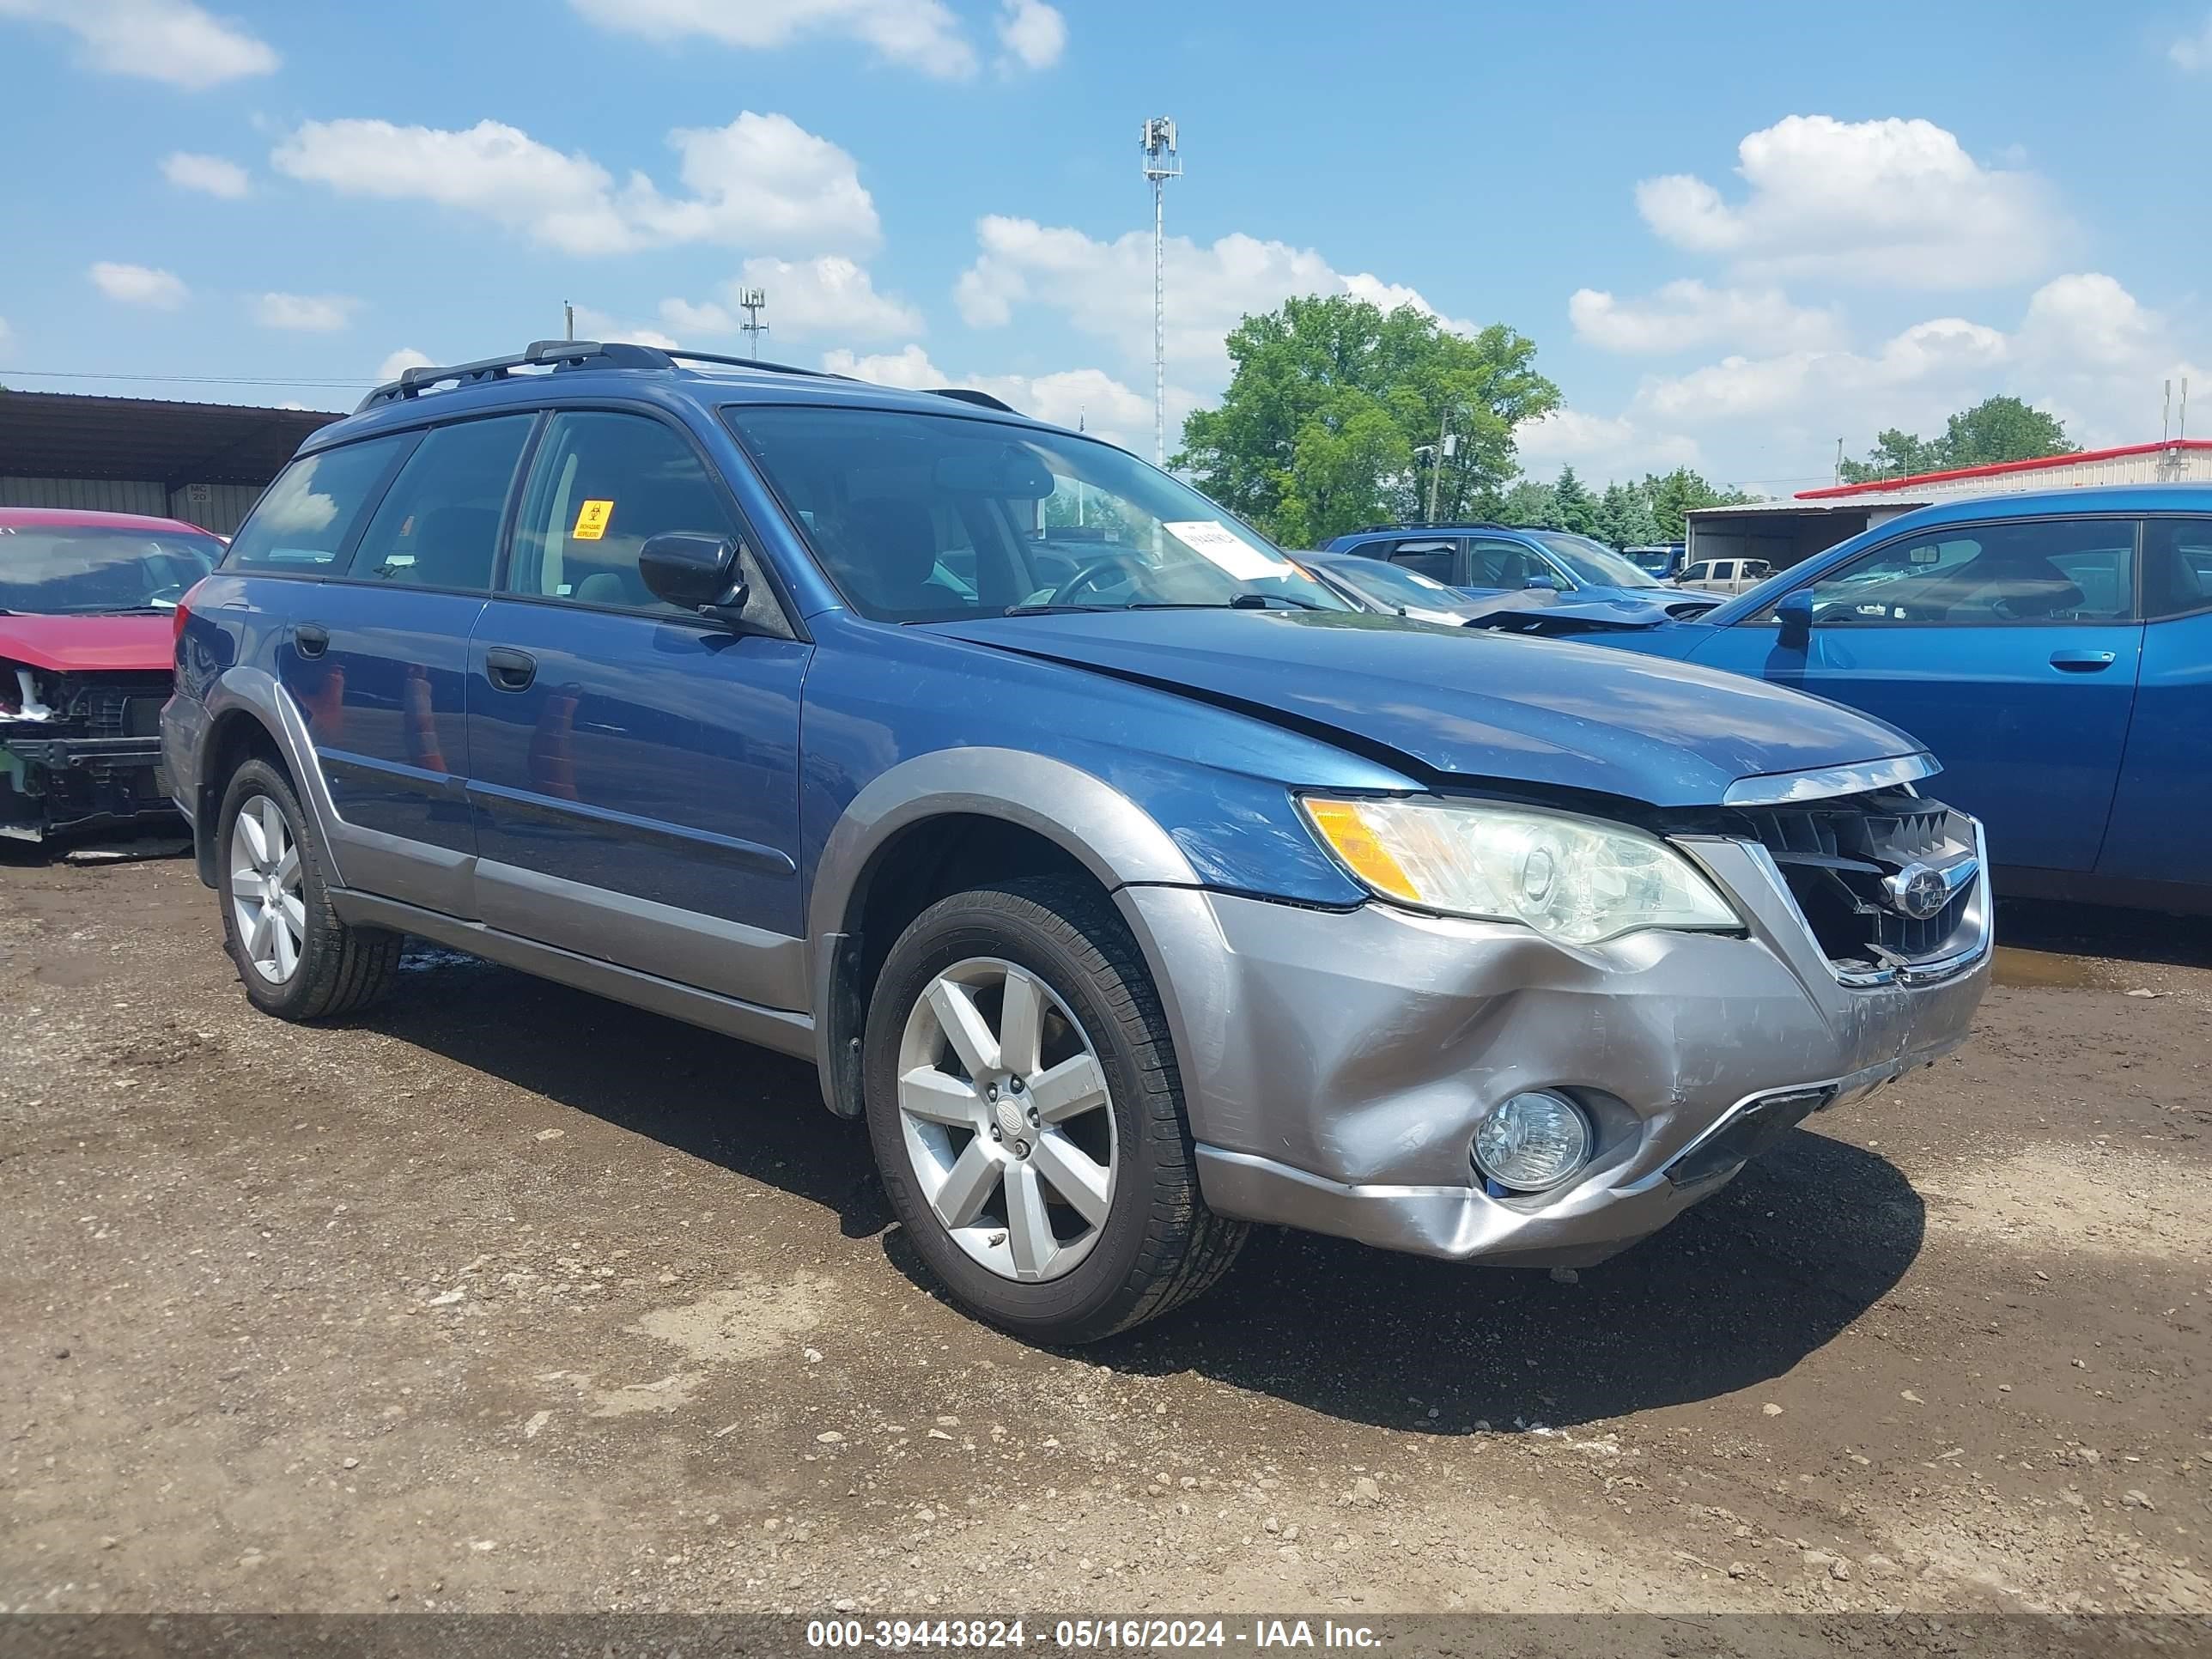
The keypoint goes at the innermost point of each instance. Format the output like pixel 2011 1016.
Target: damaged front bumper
pixel 1339 1063
pixel 81 753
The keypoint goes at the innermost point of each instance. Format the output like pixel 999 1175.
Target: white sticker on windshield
pixel 1216 543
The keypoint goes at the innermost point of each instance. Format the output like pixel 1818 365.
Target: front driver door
pixel 2010 649
pixel 634 769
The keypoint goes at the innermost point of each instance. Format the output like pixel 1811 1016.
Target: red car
pixel 86 601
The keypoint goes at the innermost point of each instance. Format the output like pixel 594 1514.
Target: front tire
pixel 296 958
pixel 1028 1117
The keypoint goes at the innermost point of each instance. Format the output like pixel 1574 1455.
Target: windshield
pixel 83 570
pixel 939 518
pixel 1394 585
pixel 1650 560
pixel 1594 563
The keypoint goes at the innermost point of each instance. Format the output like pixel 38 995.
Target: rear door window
pixel 438 525
pixel 303 520
pixel 2177 567
pixel 1429 557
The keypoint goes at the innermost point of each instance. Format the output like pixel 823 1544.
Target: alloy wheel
pixel 1007 1120
pixel 266 902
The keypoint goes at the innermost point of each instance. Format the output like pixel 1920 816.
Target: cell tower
pixel 1161 164
pixel 752 301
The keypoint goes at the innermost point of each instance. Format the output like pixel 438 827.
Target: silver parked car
pixel 1725 575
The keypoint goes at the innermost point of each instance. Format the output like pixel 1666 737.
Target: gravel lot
pixel 507 1298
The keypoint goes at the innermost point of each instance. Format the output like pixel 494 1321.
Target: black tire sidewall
pixel 288 1000
pixel 984 924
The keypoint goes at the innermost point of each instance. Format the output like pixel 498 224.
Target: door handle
pixel 2083 662
pixel 312 639
pixel 508 669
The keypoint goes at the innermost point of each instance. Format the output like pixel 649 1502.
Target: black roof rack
pixel 558 355
pixel 1440 523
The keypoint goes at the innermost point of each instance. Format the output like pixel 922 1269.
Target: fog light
pixel 1533 1142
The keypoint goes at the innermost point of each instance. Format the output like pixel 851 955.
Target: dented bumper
pixel 1338 1063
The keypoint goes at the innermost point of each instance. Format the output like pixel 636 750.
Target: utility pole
pixel 752 301
pixel 1161 164
pixel 568 320
pixel 1840 460
pixel 1436 471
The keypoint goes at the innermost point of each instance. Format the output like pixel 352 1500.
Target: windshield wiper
pixel 1235 602
pixel 1057 610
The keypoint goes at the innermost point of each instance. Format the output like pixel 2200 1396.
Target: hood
pixel 79 645
pixel 1588 611
pixel 1467 703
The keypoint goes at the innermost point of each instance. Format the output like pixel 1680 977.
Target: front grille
pixel 123 707
pixel 1837 856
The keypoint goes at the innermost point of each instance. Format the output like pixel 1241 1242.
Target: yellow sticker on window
pixel 592 521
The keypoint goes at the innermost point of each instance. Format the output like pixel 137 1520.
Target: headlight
pixel 1570 879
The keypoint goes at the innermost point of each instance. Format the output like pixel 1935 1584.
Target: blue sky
pixel 1736 233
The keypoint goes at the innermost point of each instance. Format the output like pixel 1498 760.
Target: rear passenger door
pixel 375 653
pixel 1437 557
pixel 634 769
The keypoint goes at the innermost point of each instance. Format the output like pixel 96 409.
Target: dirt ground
pixel 507 1298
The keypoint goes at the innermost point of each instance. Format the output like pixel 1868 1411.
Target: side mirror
pixel 1794 614
pixel 694 571
pixel 1538 584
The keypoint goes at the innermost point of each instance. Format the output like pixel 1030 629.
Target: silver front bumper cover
pixel 1337 1063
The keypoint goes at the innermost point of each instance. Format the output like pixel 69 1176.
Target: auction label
pixel 1216 542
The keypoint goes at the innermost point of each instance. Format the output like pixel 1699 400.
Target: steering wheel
pixel 1089 573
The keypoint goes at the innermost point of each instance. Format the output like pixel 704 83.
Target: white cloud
pixel 922 34
pixel 2085 349
pixel 1087 397
pixel 1893 202
pixel 1105 288
pixel 210 174
pixel 1033 33
pixel 170 40
pixel 311 313
pixel 762 179
pixel 2193 52
pixel 1607 447
pixel 829 295
pixel 603 326
pixel 140 285
pixel 400 361
pixel 1686 314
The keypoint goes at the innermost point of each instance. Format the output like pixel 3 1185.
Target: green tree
pixel 1528 505
pixel 1674 496
pixel 1328 400
pixel 1572 505
pixel 2000 428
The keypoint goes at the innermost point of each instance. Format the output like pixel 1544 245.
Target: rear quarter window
pixel 303 520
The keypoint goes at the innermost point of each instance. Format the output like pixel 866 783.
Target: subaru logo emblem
pixel 1919 892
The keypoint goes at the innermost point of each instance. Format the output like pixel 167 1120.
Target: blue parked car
pixel 1488 559
pixel 2054 651
pixel 1127 884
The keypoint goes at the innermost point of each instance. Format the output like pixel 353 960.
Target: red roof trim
pixel 1875 486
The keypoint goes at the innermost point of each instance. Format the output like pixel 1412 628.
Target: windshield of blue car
pixel 1394 585
pixel 923 517
pixel 85 570
pixel 1595 564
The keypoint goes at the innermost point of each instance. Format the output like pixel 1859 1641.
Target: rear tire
pixel 296 958
pixel 1064 1212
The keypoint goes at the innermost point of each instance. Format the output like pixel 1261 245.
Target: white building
pixel 1782 533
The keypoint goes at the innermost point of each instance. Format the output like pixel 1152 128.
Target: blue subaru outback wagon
pixel 1131 888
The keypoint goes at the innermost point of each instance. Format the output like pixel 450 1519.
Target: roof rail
pixel 1435 524
pixel 558 355
pixel 981 399
pixel 750 362
pixel 540 354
